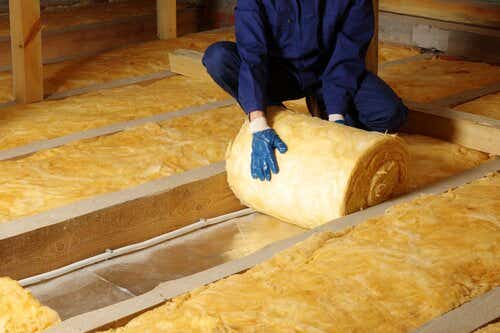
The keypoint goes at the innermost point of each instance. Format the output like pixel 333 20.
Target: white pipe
pixel 109 253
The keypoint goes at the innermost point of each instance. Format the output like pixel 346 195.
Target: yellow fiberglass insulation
pixel 330 170
pixel 391 274
pixel 60 176
pixel 20 312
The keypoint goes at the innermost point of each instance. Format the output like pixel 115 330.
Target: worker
pixel 290 49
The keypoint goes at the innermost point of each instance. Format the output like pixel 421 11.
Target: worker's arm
pixel 252 48
pixel 346 67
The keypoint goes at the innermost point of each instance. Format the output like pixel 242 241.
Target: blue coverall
pixel 289 49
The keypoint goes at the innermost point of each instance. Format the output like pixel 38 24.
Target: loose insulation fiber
pixel 392 273
pixel 20 312
pixel 329 170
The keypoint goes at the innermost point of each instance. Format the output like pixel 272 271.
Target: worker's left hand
pixel 263 155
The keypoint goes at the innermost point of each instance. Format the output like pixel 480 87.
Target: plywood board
pixel 65 235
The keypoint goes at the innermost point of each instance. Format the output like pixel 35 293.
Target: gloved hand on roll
pixel 264 142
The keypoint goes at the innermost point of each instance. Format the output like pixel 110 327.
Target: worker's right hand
pixel 263 155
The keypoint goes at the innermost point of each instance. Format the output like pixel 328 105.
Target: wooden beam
pixel 372 54
pixel 56 238
pixel 167 19
pixel 26 46
pixel 188 63
pixel 466 129
pixel 480 13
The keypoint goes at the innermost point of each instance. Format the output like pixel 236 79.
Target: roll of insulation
pixel 329 170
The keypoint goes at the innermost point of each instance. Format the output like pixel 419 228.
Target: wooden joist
pixel 480 13
pixel 466 129
pixel 26 46
pixel 56 238
pixel 167 19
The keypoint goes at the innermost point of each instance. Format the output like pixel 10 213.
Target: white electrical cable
pixel 109 253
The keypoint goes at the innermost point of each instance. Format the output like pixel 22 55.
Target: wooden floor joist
pixel 466 129
pixel 40 243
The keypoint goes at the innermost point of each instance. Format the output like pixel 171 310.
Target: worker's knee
pixel 389 116
pixel 217 56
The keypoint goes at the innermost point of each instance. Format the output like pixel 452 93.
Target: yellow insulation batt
pixel 130 61
pixel 488 106
pixel 59 176
pixel 57 18
pixel 429 80
pixel 392 273
pixel 23 124
pixel 329 171
pixel 20 312
pixel 63 175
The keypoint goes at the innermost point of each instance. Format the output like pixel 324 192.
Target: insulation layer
pixel 22 124
pixel 63 175
pixel 66 17
pixel 488 106
pixel 390 274
pixel 429 80
pixel 59 176
pixel 131 61
pixel 20 312
pixel 329 170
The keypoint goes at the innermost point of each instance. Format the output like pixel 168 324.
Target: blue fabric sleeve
pixel 252 48
pixel 346 67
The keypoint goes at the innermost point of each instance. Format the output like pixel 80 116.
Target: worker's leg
pixel 377 107
pixel 223 64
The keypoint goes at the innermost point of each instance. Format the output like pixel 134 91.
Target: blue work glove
pixel 263 154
